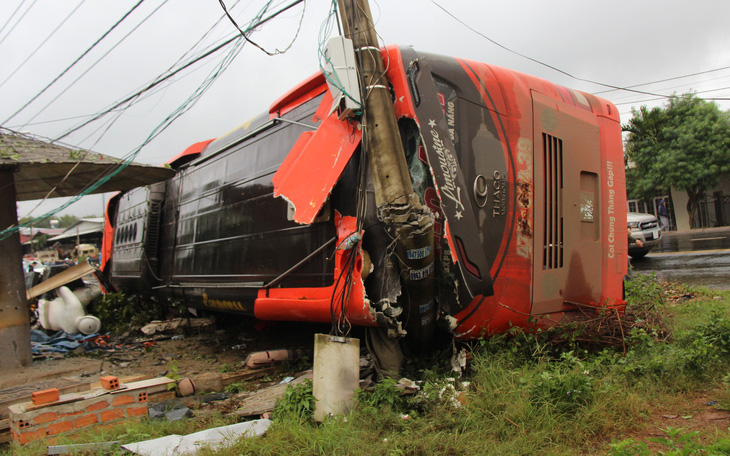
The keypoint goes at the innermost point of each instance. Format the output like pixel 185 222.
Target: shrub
pixel 297 402
pixel 121 312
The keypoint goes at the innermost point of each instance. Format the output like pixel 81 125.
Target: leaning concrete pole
pixel 14 325
pixel 400 206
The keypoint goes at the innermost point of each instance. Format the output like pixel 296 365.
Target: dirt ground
pixel 222 348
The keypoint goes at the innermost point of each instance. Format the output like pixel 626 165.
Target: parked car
pixel 645 228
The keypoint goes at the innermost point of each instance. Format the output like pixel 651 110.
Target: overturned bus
pixel 524 180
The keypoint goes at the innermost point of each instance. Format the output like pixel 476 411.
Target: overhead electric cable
pixel 603 84
pixel 677 96
pixel 197 94
pixel 42 44
pixel 173 73
pixel 105 177
pixel 19 20
pixel 138 99
pixel 665 80
pixel 12 16
pixel 200 40
pixel 690 85
pixel 148 87
pixel 96 62
pixel 75 61
pixel 245 36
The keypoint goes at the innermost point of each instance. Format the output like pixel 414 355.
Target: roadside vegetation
pixel 579 389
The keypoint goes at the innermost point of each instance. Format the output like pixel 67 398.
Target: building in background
pixel 713 210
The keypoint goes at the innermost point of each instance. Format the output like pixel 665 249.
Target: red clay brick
pixel 86 420
pixel 57 428
pixel 97 406
pixel 45 396
pixel 21 424
pixel 137 411
pixel 46 417
pixel 109 382
pixel 64 415
pixel 109 415
pixel 25 437
pixel 122 399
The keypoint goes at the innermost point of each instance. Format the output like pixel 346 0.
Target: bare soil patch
pixel 222 348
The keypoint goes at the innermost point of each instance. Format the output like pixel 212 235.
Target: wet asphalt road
pixel 709 268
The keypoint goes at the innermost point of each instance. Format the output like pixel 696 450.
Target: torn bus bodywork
pixel 522 181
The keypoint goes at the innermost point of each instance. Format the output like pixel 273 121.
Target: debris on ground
pixel 214 439
pixel 264 400
pixel 170 410
pixel 177 325
pixel 80 448
pixel 271 357
pixel 43 345
pixel 209 382
pixel 407 386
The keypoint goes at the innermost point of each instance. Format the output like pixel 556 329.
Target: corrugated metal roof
pixel 40 166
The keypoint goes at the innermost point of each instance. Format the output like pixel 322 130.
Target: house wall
pixel 679 199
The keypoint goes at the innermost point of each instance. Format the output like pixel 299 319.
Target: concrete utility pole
pixel 392 184
pixel 14 322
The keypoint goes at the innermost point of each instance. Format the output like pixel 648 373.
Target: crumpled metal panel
pixel 314 165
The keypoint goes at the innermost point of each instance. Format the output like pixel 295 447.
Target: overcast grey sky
pixel 621 43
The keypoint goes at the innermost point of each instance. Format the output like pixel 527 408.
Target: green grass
pixel 543 394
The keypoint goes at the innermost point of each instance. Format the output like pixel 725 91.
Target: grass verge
pixel 548 393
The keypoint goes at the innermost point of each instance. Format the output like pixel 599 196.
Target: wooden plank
pixel 247 374
pixel 264 400
pixel 22 393
pixel 152 385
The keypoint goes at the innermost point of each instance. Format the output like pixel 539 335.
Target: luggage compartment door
pixel 567 243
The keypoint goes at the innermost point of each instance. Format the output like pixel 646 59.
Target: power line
pixel 245 36
pixel 161 78
pixel 690 85
pixel 96 62
pixel 197 94
pixel 18 22
pixel 148 87
pixel 666 80
pixel 127 160
pixel 610 86
pixel 153 91
pixel 74 62
pixel 42 44
pixel 675 96
pixel 12 16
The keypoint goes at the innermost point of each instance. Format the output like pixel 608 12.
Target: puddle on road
pixel 687 244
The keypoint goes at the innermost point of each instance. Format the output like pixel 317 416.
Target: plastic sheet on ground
pixel 61 342
pixel 215 438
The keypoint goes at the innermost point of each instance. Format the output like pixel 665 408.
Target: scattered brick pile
pixel 50 413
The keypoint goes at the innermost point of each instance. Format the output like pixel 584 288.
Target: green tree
pixel 41 224
pixel 684 145
pixel 67 220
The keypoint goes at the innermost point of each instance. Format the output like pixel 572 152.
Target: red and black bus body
pixel 524 179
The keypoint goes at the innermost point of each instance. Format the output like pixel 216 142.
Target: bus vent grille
pixel 153 230
pixel 553 178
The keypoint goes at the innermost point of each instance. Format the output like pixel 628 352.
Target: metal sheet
pixel 314 165
pixel 41 167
